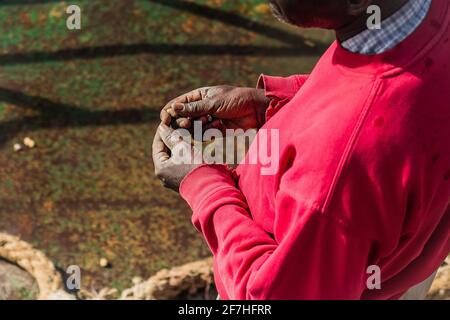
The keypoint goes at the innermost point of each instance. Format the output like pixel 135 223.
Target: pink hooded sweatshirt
pixel 363 179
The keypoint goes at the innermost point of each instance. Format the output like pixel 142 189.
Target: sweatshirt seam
pixel 349 148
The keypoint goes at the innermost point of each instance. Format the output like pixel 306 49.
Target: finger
pixel 167 112
pixel 194 109
pixel 171 111
pixel 169 136
pixel 180 123
pixel 159 151
pixel 194 95
pixel 202 119
pixel 165 117
pixel 184 123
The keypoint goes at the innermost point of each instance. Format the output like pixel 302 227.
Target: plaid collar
pixel 393 30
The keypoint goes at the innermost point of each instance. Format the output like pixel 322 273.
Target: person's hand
pixel 222 107
pixel 173 158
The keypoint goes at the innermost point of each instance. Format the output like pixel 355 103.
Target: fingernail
pixel 178 107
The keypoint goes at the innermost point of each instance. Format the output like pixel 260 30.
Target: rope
pixel 167 284
pixel 33 261
pixel 170 283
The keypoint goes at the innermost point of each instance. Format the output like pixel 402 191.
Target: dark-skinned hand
pixel 222 107
pixel 170 167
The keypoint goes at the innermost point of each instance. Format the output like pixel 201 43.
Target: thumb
pixel 194 109
pixel 169 136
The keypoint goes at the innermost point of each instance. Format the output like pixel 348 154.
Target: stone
pixel 28 142
pixel 104 263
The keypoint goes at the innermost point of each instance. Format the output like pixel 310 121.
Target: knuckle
pixel 195 106
pixel 217 103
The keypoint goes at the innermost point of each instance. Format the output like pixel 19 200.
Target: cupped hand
pixel 173 158
pixel 223 107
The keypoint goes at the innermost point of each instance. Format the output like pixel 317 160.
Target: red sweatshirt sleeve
pixel 280 90
pixel 308 257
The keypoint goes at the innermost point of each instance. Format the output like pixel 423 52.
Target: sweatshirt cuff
pixel 281 87
pixel 205 180
pixel 280 91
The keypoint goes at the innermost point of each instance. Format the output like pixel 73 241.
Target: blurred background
pixel 89 101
